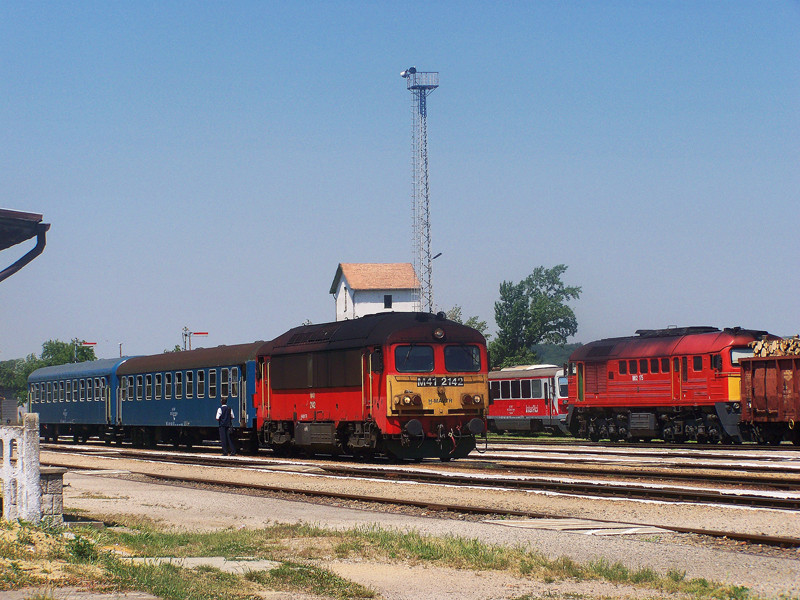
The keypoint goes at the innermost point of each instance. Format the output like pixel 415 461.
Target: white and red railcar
pixel 528 398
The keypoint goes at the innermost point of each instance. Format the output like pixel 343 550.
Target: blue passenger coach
pixel 173 397
pixel 75 399
pixel 164 398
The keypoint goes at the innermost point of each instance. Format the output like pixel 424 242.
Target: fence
pixel 20 472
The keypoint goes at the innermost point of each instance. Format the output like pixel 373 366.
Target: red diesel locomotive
pixel 528 398
pixel 411 385
pixel 676 384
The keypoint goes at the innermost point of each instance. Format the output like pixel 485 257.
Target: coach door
pixel 239 381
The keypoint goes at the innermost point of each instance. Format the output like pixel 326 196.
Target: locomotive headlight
pixel 417 400
pixel 407 400
pixel 469 399
pixel 438 333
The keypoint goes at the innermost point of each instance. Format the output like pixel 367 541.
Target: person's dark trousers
pixel 226 441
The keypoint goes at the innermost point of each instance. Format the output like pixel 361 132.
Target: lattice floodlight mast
pixel 421 84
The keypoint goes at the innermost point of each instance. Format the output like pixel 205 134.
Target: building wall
pixel 352 305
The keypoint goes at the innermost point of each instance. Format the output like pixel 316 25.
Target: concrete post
pixel 22 488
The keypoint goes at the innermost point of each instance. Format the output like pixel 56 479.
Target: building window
pixel 387 301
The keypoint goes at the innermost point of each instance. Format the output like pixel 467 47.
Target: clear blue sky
pixel 209 164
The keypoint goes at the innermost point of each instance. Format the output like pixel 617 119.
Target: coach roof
pixel 91 368
pixel 192 359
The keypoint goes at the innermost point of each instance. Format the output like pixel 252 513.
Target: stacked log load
pixel 780 347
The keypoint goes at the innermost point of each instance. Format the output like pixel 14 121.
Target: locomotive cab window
pixel 413 359
pixel 737 353
pixel 459 359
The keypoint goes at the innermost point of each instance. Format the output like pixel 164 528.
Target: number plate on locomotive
pixel 440 381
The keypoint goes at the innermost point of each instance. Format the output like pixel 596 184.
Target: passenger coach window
pixel 178 384
pixel 536 389
pixel 201 384
pixel 189 384
pixel 526 388
pixel 563 387
pixel 167 385
pixel 60 392
pixel 462 358
pixel 139 388
pixel 515 389
pixel 159 385
pixel 148 389
pixel 494 390
pixel 212 383
pixel 413 359
pixel 505 389
pixel 224 382
pixel 235 382
pixel 69 391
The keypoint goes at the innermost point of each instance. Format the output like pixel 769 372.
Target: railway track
pixel 240 487
pixel 599 488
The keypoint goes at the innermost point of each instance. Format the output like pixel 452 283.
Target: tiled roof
pixel 376 276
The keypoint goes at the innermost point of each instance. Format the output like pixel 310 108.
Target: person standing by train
pixel 225 419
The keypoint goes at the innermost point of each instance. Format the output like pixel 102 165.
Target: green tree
pixel 14 373
pixel 533 311
pixel 454 314
pixel 56 352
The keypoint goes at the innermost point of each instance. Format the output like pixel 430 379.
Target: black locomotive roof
pixel 192 359
pixel 370 330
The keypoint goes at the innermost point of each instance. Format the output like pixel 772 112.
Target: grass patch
pixel 98 559
pixel 310 579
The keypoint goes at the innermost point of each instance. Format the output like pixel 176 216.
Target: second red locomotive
pixel 676 384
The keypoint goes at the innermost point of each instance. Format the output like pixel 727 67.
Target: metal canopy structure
pixel 17 227
pixel 421 84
